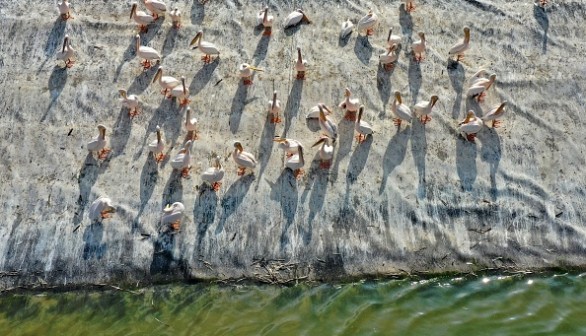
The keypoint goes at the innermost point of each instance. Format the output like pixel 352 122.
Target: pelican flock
pixel 295 154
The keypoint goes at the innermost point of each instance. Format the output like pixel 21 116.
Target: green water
pixel 488 305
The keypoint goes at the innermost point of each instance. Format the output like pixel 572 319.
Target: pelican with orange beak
pixel 182 161
pixel 350 105
pixel 99 144
pixel 129 101
pixel 156 147
pixel 389 58
pixel 300 65
pixel 495 114
pixel 246 72
pixel 362 127
pixel 190 125
pixel 214 174
pixel 166 82
pixel 326 151
pixel 296 162
pixel 181 92
pixel 173 215
pixel 459 48
pixel 326 124
pixel 423 109
pixel 206 48
pixel 393 39
pixel 244 160
pixel 157 7
pixel 418 48
pixel 479 87
pixel 401 111
pixel 263 18
pixel 275 108
pixel 101 208
pixel 367 23
pixel 296 17
pixel 148 54
pixel 470 126
pixel 143 19
pixel 64 10
pixel 67 53
pixel 289 146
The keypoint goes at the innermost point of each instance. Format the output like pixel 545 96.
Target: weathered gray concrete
pixel 418 199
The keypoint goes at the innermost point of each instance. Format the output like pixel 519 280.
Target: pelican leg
pixel 471 137
pixel 133 112
pixel 207 59
pixel 216 186
pixel 542 3
pixel 424 119
pixel 159 157
pixel 300 75
pixel 419 58
pixel 369 32
pixel 496 123
pixel 102 154
pixel 146 64
pixel 175 225
pixel 241 171
pixel 184 102
pixel 164 91
pixel 350 115
pixel 105 214
pixel 268 31
pixel 66 16
pixel 143 29
pixel 155 16
pixel 389 66
pixel 193 135
pixel 247 80
pixel 325 164
pixel 176 24
pixel 460 57
pixel 481 96
pixel 410 8
pixel 360 138
pixel 275 119
pixel 298 173
pixel 397 122
pixel 185 172
pixel 69 63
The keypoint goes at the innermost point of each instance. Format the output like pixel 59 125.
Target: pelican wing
pixel 148 53
pixel 293 19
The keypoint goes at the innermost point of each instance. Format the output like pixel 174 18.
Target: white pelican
pixel 246 71
pixel 367 23
pixel 182 161
pixel 326 151
pixel 470 126
pixel 459 48
pixel 166 82
pixel 175 15
pixel 495 114
pixel 275 108
pixel 300 65
pixel 389 58
pixel 157 7
pixel 347 28
pixel 326 124
pixel 480 86
pixel 206 48
pixel 190 124
pixel 393 39
pixel 101 208
pixel 289 146
pixel 181 92
pixel 143 19
pixel 423 109
pixel 99 143
pixel 156 147
pixel 296 162
pixel 214 174
pixel 362 127
pixel 400 110
pixel 477 76
pixel 418 47
pixel 67 52
pixel 263 18
pixel 409 6
pixel 243 159
pixel 129 101
pixel 172 215
pixel 296 17
pixel 314 112
pixel 148 54
pixel 64 8
pixel 349 104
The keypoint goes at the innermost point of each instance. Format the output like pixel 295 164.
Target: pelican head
pixel 421 36
pixel 122 93
pixel 158 74
pixel 274 99
pixel 238 146
pixel 322 139
pixel 102 130
pixel 217 162
pixel 183 83
pixel 434 99
pixel 133 10
pixel 398 97
pixel 65 43
pixel 304 18
pixel 197 38
pixel 467 33
pixel 299 58
pixel 347 92
pixel 360 112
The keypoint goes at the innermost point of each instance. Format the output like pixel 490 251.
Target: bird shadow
pixel 456 73
pixel 293 104
pixel 120 132
pixel 56 84
pixel 419 151
pixel 406 22
pixel 363 49
pixel 285 191
pixel 358 160
pixel 92 236
pixel 262 47
pixel 491 152
pixel 266 146
pixel 344 144
pixel 171 120
pixel 148 180
pixel 169 42
pixel 343 41
pixel 204 212
pixel 472 104
pixel 88 175
pixel 466 163
pixel 384 86
pixel 173 189
pixel 318 185
pixel 202 77
pixel 152 30
pixel 394 155
pixel 163 259
pixel 197 13
pixel 55 39
pixel 127 56
pixel 238 103
pixel 143 80
pixel 415 77
pixel 291 30
pixel 542 19
pixel 233 198
pixel 312 124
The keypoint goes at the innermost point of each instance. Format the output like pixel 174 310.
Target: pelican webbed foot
pixel 159 157
pixel 207 59
pixel 216 186
pixel 350 115
pixel 369 32
pixel 241 171
pixel 103 154
pixel 133 113
pixel 325 164
pixel 496 123
pixel 389 66
pixel 247 81
pixel 267 31
pixel 298 173
pixel 424 119
pixel 360 138
pixel 175 225
pixel 471 137
pixel 275 120
pixel 300 75
pixel 397 122
pixel 185 172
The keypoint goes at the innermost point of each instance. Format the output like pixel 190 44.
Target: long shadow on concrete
pixel 93 247
pixel 56 84
pixel 173 189
pixel 293 104
pixel 406 23
pixel 285 191
pixel 88 175
pixel 456 73
pixel 363 49
pixel 343 145
pixel 148 180
pixel 491 152
pixel 265 147
pixel 238 103
pixel 394 155
pixel 203 77
pixel 419 151
pixel 415 78
pixel 540 16
pixel 198 12
pixel 120 133
pixel 466 163
pixel 204 212
pixel 169 42
pixel 233 198
pixel 384 86
pixel 317 184
pixel 163 259
pixel 55 38
pixel 262 47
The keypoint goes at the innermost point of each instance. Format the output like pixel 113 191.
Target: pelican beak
pixel 132 11
pixel 254 68
pixel 320 141
pixel 167 208
pixel 305 18
pixel 398 97
pixel 194 40
pixel 434 101
pixel 157 75
pixel 122 93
